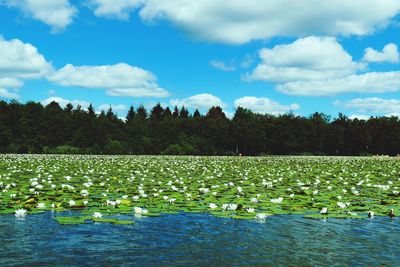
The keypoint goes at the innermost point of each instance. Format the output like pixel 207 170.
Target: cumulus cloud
pixel 238 22
pixel 264 105
pixel 21 60
pixel 10 83
pixel 205 101
pixel 359 117
pixel 388 54
pixel 115 108
pixel 119 9
pixel 63 102
pixel 222 65
pixel 372 82
pixel 373 105
pixel 58 14
pixel 4 93
pixel 311 58
pixel 118 80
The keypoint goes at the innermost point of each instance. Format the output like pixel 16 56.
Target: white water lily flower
pixel 254 200
pixel 135 197
pixel 140 211
pixel 342 205
pixel 261 216
pixel 277 200
pixel 232 207
pixel 72 202
pixel 165 197
pixel 41 205
pixel 224 206
pixel 97 215
pixel 172 200
pixel 352 213
pixel 85 202
pixel 13 195
pixel 213 206
pixel 315 192
pixel 324 211
pixel 20 213
pixel 250 210
pixel 84 193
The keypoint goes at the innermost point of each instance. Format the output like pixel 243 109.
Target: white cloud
pixel 56 13
pixel 4 93
pixel 10 83
pixel 63 102
pixel 118 80
pixel 222 65
pixel 359 117
pixel 21 60
pixel 372 82
pixel 199 101
pixel 119 9
pixel 115 108
pixel 264 105
pixel 389 54
pixel 370 105
pixel 247 61
pixel 237 21
pixel 311 58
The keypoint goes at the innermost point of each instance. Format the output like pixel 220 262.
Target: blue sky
pixel 334 56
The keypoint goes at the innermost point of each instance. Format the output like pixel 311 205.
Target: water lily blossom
pixel 20 213
pixel 213 206
pixel 277 200
pixel 324 211
pixel 250 210
pixel 41 205
pixel 261 216
pixel 140 211
pixel 97 215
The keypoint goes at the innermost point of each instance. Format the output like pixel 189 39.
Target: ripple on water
pixel 200 239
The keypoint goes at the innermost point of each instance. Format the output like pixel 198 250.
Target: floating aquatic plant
pixel 232 187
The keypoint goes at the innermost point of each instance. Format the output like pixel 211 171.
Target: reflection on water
pixel 198 239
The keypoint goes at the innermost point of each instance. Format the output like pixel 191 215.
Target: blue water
pixel 200 240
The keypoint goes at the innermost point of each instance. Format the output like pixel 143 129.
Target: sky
pixel 270 56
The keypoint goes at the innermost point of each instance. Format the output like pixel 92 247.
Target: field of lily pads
pixel 101 188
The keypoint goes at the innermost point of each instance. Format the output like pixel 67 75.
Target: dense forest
pixel 33 128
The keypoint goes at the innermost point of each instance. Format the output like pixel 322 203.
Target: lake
pixel 200 240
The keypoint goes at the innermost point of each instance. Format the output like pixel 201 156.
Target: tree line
pixel 34 128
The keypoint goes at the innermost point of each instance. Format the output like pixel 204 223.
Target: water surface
pixel 200 240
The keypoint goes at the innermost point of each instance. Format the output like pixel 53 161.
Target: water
pixel 200 240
